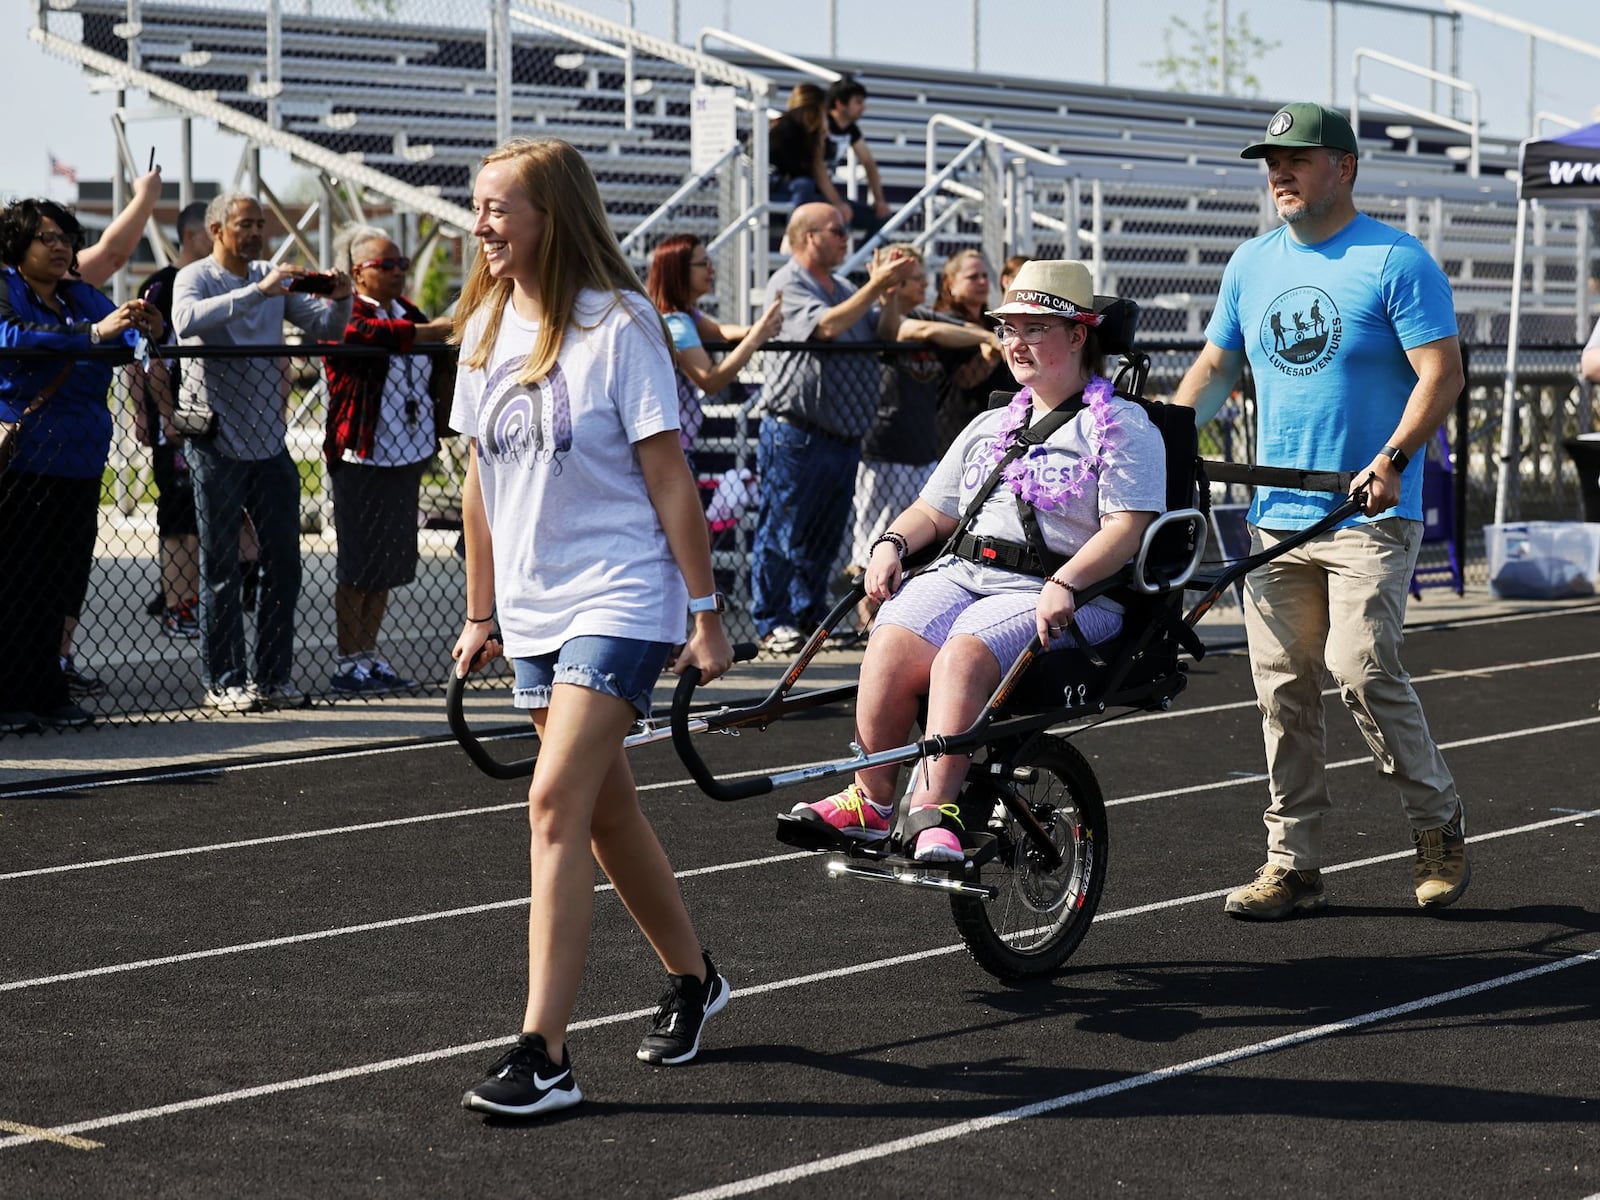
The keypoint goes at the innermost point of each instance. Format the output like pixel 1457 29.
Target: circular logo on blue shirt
pixel 1301 331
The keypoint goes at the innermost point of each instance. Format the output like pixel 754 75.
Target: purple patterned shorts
pixel 936 608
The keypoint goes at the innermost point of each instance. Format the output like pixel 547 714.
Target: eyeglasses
pixel 52 239
pixel 704 262
pixel 1029 335
pixel 836 230
pixel 386 264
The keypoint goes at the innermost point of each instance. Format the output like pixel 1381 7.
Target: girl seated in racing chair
pixel 1047 495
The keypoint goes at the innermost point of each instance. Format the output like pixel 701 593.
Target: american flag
pixel 65 170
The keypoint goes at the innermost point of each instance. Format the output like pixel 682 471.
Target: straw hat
pixel 1052 287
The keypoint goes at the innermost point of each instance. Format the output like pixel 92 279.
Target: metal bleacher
pixel 1148 183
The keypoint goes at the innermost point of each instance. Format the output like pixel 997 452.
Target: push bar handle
pixel 683 743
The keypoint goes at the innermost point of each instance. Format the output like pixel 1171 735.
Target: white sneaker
pixel 231 699
pixel 278 695
pixel 784 639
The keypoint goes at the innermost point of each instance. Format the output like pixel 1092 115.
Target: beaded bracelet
pixel 1062 583
pixel 901 546
pixel 480 620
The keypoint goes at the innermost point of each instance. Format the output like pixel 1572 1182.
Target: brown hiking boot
pixel 1277 892
pixel 1441 873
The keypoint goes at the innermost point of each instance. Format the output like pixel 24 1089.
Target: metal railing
pixel 149 673
pixel 1471 128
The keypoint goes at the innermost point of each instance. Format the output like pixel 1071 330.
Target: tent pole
pixel 1508 403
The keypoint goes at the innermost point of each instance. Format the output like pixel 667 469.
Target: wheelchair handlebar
pixel 455 695
pixel 683 743
pixel 491 766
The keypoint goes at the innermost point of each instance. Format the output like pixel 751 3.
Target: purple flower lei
pixel 1023 481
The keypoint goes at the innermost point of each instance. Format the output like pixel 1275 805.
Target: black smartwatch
pixel 1397 456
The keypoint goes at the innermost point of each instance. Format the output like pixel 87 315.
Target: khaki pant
pixel 1338 603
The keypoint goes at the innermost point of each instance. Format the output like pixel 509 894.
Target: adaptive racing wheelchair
pixel 1035 838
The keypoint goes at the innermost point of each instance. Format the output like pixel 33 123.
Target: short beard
pixel 1318 208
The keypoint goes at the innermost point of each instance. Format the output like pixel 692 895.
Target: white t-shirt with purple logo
pixel 578 548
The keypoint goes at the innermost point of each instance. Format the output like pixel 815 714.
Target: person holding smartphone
pixel 239 461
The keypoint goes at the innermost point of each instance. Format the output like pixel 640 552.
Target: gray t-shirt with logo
pixel 211 306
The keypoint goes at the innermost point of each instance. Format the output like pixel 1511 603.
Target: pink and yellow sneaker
pixel 939 843
pixel 850 813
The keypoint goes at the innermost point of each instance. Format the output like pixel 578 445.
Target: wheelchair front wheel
pixel 1040 915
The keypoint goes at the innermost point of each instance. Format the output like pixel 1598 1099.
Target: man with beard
pixel 237 456
pixel 1363 389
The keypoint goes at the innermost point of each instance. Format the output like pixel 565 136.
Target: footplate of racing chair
pixel 879 864
pixel 794 829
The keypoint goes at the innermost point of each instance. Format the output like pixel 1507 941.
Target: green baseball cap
pixel 1303 126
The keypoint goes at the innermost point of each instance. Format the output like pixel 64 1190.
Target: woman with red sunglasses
pixel 381 434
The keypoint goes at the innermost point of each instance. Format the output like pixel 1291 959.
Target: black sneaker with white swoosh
pixel 525 1083
pixel 686 1005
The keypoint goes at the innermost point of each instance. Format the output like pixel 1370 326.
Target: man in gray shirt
pixel 232 298
pixel 818 408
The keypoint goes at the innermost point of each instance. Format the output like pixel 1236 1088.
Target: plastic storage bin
pixel 1542 560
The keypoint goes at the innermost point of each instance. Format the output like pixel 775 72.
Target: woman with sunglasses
pixel 50 493
pixel 585 538
pixel 682 273
pixel 1066 514
pixel 380 437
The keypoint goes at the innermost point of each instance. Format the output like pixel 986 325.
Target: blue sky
pixel 1016 36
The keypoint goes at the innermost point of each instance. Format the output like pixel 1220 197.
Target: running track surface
pixel 277 981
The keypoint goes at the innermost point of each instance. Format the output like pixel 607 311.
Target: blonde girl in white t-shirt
pixel 585 535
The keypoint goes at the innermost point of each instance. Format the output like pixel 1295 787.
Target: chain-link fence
pixel 308 567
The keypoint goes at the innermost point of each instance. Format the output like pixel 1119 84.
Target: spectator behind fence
pixel 151 395
pixel 681 273
pixel 61 436
pixel 380 437
pixel 1367 380
pixel 902 447
pixel 1009 269
pixel 1067 514
pixel 818 408
pixel 238 457
pixel 797 148
pixel 585 535
pixel 843 106
pixel 973 376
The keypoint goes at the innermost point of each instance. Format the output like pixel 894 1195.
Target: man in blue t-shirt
pixel 1349 328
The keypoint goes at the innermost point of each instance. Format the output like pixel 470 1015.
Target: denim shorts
pixel 621 667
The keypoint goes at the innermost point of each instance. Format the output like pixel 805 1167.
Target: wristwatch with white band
pixel 712 603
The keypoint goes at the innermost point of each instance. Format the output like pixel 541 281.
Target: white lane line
pixel 50 1135
pixel 411 1060
pixel 1236 778
pixel 1576 818
pixel 1473 673
pixel 495 905
pixel 881 1151
pixel 366 927
pixel 375 751
pixel 338 830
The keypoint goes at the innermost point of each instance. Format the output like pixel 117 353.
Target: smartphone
pixel 318 285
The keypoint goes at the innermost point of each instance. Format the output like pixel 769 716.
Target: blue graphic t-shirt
pixel 578 547
pixel 1326 328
